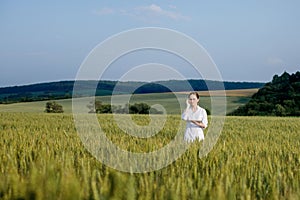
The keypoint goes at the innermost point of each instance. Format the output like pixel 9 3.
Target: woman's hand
pixel 187 103
pixel 198 123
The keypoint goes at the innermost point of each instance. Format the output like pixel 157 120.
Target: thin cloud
pixel 275 61
pixel 147 13
pixel 104 11
pixel 172 6
pixel 154 10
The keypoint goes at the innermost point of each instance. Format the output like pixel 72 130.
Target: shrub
pixel 53 107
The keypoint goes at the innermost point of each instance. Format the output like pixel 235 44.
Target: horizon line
pixel 112 80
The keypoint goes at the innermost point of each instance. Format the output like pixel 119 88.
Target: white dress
pixel 192 131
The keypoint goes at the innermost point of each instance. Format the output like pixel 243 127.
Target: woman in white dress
pixel 195 117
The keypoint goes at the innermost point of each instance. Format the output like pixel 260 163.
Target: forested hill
pixel 280 97
pixel 64 89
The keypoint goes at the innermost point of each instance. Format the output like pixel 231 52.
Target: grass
pixel 235 98
pixel 42 157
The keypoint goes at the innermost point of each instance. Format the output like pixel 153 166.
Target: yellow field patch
pixel 232 93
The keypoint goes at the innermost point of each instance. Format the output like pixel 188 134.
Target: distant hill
pixel 64 89
pixel 280 97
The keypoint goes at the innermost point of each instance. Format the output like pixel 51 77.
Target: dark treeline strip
pixel 280 97
pixel 64 89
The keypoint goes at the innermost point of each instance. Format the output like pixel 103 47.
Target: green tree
pixel 94 106
pixel 104 108
pixel 53 107
pixel 279 110
pixel 139 108
pixel 280 97
pixel 98 107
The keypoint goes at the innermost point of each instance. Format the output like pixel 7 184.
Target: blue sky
pixel 248 40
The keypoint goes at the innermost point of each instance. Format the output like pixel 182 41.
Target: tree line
pixel 280 97
pixel 136 108
pixel 98 107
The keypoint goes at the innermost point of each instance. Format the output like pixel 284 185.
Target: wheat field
pixel 42 157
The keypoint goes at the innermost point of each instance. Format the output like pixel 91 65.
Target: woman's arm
pixel 204 119
pixel 198 123
pixel 203 123
pixel 184 115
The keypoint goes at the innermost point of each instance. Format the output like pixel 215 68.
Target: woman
pixel 195 117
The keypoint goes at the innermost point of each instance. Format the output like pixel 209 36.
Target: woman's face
pixel 193 101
